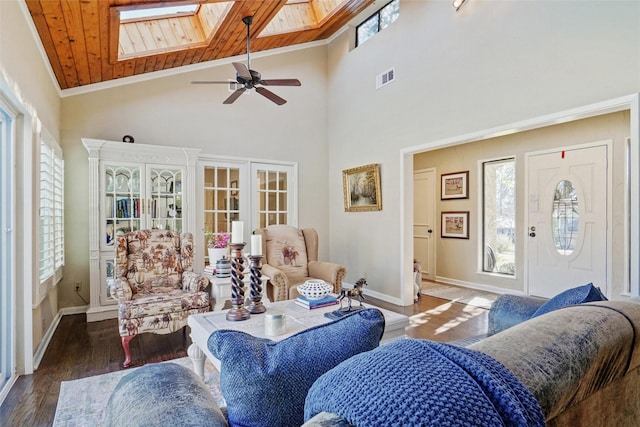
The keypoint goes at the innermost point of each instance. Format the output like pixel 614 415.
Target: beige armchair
pixel 291 258
pixel 155 285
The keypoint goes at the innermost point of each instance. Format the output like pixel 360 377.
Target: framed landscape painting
pixel 361 187
pixel 455 185
pixel 455 225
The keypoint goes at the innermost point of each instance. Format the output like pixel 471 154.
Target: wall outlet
pixel 78 285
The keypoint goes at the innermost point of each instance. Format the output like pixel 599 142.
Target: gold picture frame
pixel 361 188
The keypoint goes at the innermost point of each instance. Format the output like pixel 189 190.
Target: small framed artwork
pixel 455 186
pixel 361 187
pixel 455 225
pixel 234 188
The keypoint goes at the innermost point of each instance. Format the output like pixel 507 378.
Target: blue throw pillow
pixel 265 383
pixel 579 295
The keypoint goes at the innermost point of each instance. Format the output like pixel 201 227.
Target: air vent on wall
pixel 385 78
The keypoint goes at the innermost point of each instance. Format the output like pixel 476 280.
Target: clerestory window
pixel 380 20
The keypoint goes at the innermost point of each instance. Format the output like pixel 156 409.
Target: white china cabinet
pixel 133 187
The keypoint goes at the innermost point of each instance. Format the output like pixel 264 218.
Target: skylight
pixel 154 12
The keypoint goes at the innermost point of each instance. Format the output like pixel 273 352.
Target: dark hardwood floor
pixel 79 349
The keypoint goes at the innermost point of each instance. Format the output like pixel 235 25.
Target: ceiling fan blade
pixel 235 95
pixel 210 82
pixel 270 95
pixel 281 82
pixel 242 70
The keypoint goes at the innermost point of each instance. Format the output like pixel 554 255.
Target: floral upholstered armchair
pixel 155 285
pixel 291 258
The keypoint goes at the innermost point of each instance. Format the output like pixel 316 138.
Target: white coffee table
pixel 297 319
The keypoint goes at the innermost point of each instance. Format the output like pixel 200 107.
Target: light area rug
pixel 82 402
pixel 468 296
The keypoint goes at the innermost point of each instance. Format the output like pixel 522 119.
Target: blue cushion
pixel 265 383
pixel 579 295
pixel 417 383
pixel 162 394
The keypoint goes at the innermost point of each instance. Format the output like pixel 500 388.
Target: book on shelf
pixel 316 303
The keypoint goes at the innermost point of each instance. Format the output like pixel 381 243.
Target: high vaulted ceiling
pixel 86 41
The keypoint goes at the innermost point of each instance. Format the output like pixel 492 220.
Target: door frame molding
pixel 609 232
pixel 624 103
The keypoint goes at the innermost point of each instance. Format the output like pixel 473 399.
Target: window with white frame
pixel 499 216
pixel 275 194
pixel 51 247
pixel 377 22
pixel 221 198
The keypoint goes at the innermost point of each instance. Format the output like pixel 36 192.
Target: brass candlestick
pixel 256 306
pixel 237 311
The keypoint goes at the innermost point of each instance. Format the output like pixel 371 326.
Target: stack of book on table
pixel 316 303
pixel 210 269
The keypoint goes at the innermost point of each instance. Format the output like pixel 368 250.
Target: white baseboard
pixel 383 297
pixel 42 347
pixel 74 310
pixel 7 387
pixel 477 286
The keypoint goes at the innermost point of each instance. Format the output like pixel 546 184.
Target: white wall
pixel 24 78
pixel 171 111
pixel 492 63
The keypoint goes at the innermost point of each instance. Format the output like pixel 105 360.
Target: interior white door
pixel 567 211
pixel 424 189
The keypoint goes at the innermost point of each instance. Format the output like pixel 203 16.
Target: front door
pixel 567 213
pixel 423 221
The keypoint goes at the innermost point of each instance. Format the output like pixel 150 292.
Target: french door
pixel 567 219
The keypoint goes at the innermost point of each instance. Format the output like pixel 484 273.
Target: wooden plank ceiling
pixel 86 42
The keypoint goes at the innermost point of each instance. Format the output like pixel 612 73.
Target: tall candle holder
pixel 238 310
pixel 256 306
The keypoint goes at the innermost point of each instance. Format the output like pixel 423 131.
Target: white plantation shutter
pixel 51 210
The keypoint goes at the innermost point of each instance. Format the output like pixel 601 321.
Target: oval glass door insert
pixel 565 217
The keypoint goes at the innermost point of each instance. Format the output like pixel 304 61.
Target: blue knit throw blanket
pixel 423 383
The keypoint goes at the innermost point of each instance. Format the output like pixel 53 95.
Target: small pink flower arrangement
pixel 218 240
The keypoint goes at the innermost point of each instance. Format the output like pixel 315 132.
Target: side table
pixel 221 289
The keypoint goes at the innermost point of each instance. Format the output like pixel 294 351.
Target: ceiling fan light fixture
pixel 457 4
pixel 248 79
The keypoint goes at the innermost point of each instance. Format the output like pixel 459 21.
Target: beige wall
pixel 613 127
pixel 171 111
pixel 490 64
pixel 24 75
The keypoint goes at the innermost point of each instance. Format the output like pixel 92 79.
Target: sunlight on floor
pixel 422 318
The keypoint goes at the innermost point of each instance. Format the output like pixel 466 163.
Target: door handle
pixel 429 231
pixel 532 234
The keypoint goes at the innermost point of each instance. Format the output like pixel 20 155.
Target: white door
pixel 424 221
pixel 567 213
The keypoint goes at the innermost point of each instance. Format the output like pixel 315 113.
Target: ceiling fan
pixel 251 79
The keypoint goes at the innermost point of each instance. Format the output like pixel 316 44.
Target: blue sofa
pixel 580 363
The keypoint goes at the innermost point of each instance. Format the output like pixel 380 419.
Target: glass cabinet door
pixel 123 205
pixel 165 198
pixel 107 265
